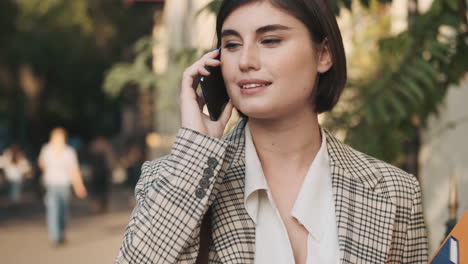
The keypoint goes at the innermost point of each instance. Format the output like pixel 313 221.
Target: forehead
pixel 251 16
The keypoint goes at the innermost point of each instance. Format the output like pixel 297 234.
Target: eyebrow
pixel 260 30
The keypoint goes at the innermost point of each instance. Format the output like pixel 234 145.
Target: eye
pixel 231 45
pixel 271 41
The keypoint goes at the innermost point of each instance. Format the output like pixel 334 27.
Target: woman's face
pixel 269 62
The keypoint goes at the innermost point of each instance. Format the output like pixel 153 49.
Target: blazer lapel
pixel 365 217
pixel 233 230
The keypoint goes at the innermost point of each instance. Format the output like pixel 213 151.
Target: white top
pixel 14 171
pixel 58 167
pixel 314 208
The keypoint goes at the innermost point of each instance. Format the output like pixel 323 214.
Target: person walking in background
pixel 101 159
pixel 16 166
pixel 60 169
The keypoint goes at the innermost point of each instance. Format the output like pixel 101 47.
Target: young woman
pixel 60 170
pixel 278 189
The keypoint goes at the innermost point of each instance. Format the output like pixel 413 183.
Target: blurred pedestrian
pixel 101 157
pixel 16 167
pixel 133 162
pixel 60 168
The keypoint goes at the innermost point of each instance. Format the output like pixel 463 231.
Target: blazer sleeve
pixel 416 247
pixel 172 196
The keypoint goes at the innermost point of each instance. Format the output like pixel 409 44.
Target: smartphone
pixel 214 91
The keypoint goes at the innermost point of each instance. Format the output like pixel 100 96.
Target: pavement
pixel 90 238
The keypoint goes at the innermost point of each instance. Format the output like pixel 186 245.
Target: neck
pixel 295 139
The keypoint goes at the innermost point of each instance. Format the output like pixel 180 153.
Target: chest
pixel 284 197
pixel 57 159
pixel 235 231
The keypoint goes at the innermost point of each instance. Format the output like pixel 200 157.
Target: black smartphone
pixel 214 91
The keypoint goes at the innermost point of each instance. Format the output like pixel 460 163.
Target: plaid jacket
pixel 378 207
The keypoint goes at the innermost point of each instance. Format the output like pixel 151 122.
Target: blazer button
pixel 204 183
pixel 212 162
pixel 208 172
pixel 200 193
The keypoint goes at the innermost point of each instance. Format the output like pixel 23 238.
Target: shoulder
pixel 375 173
pixel 400 186
pixel 45 149
pixel 391 173
pixel 70 151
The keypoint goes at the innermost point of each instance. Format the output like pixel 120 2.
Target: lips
pixel 253 83
pixel 253 86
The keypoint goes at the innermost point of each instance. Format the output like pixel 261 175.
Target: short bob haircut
pixel 321 23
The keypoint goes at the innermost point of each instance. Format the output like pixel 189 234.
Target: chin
pixel 258 112
pixel 258 108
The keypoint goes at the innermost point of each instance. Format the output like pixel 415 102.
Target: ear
pixel 324 62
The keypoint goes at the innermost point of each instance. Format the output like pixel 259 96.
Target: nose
pixel 249 59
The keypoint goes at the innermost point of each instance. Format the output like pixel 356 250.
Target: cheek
pixel 229 75
pixel 296 71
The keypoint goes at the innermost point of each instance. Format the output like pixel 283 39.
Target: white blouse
pixel 58 167
pixel 14 171
pixel 314 209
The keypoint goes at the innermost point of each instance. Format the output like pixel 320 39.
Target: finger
pixel 192 74
pixel 211 54
pixel 189 83
pixel 226 114
pixel 212 62
pixel 203 71
pixel 201 100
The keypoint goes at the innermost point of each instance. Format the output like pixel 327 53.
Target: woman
pixel 16 166
pixel 278 189
pixel 60 169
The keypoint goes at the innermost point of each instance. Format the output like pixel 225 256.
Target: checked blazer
pixel 378 206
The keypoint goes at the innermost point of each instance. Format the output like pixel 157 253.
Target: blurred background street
pixel 92 239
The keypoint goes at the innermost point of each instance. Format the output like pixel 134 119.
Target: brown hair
pixel 321 23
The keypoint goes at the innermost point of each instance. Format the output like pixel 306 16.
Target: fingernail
pixel 213 49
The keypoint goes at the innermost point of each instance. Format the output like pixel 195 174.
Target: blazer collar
pixel 355 163
pixel 236 136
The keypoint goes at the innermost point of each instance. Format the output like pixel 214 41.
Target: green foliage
pixel 415 70
pixel 36 14
pixel 211 7
pixel 136 73
pixel 168 87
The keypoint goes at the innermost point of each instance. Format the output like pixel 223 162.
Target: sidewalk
pixel 90 239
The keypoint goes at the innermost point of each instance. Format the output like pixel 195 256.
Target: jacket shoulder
pixel 380 175
pixel 390 172
pixel 401 186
